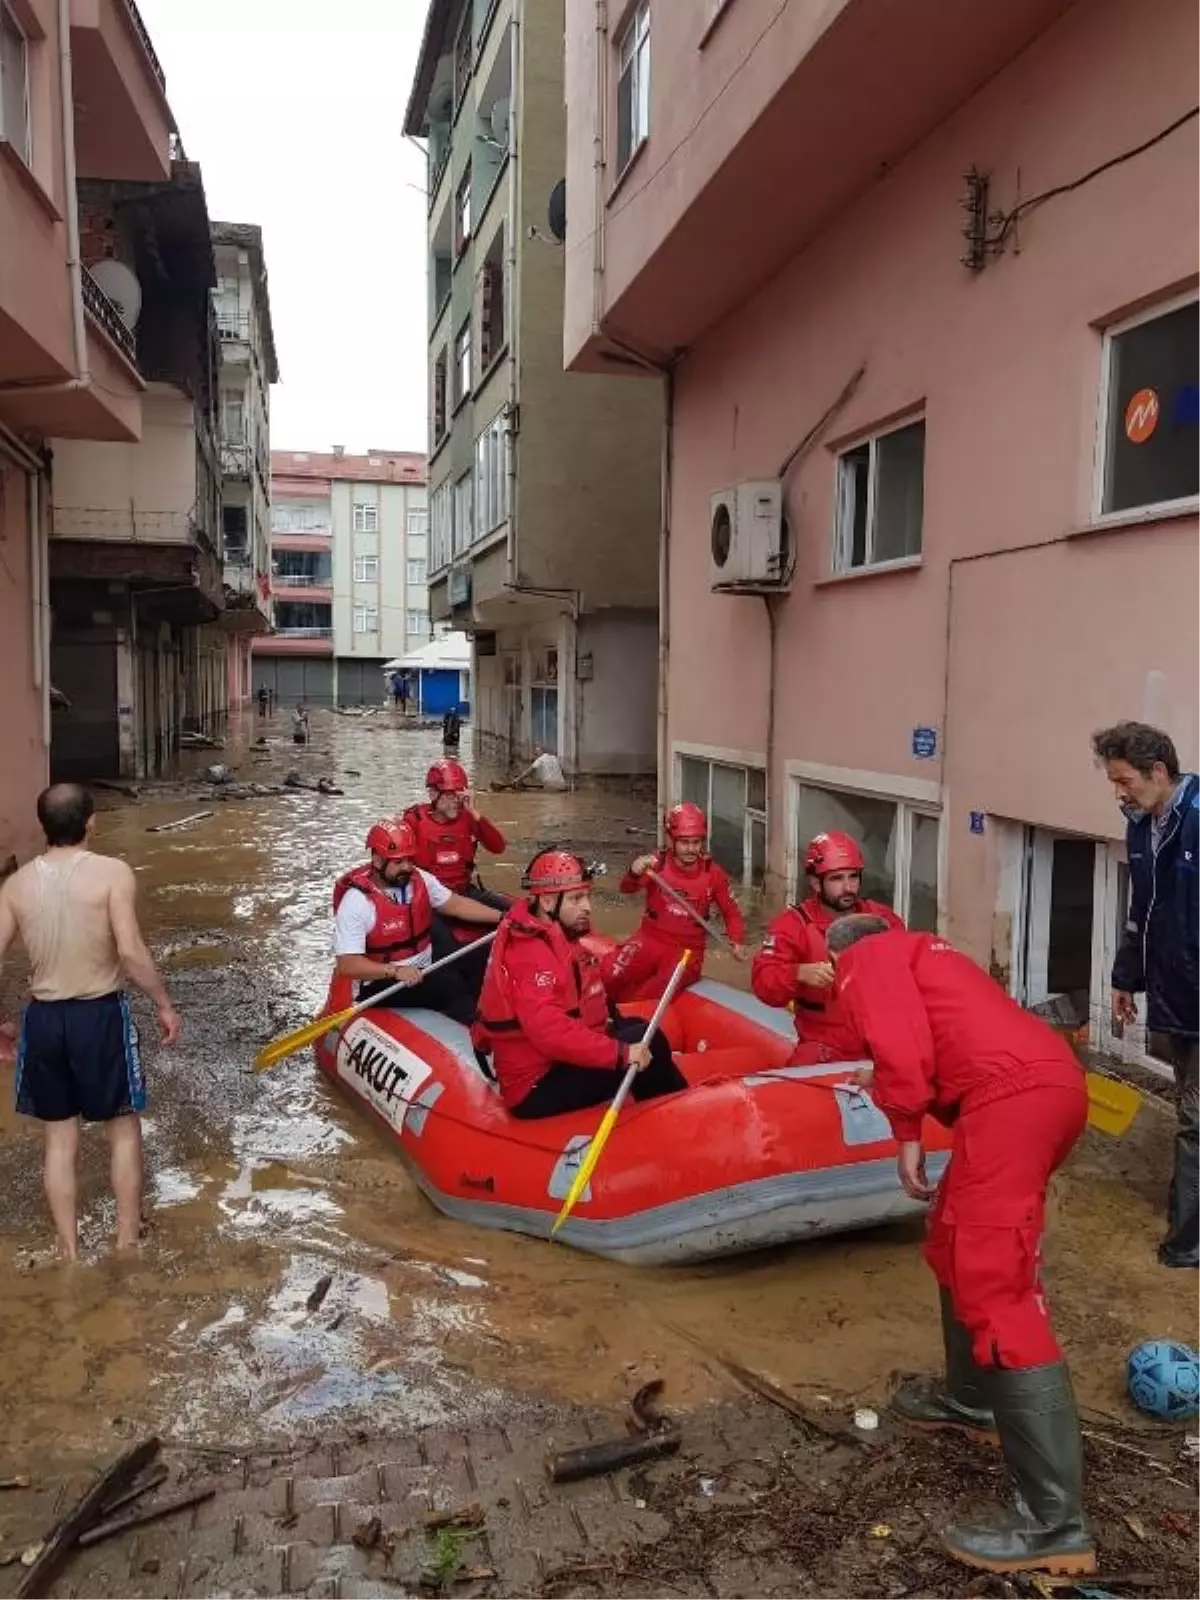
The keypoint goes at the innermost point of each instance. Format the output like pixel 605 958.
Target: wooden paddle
pixel 279 1049
pixel 691 910
pixel 600 1137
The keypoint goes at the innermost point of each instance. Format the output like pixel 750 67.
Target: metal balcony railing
pixel 139 27
pixel 286 632
pixel 233 326
pixel 323 531
pixel 102 311
pixel 302 580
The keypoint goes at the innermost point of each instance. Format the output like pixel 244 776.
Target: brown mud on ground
pixel 261 1188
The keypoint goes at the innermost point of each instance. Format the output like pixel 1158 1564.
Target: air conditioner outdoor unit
pixel 749 538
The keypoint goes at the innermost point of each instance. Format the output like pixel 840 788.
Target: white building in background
pixel 248 368
pixel 349 573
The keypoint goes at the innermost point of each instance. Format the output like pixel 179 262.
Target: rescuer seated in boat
pixel 383 927
pixel 680 877
pixel 545 1020
pixel 449 831
pixel 793 968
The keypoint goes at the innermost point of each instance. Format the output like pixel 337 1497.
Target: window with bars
pixel 491 306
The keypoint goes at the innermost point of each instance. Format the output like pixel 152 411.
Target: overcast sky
pixel 294 110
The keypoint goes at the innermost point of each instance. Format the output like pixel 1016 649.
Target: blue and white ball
pixel 1164 1379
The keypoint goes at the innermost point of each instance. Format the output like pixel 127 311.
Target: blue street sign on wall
pixel 924 743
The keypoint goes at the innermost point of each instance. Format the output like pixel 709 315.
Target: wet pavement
pixel 295 1286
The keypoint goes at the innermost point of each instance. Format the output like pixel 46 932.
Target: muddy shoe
pixel 1039 1432
pixel 921 1403
pixel 960 1403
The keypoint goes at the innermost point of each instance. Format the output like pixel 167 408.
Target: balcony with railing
pixel 122 120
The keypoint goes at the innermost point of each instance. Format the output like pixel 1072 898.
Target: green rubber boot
pixel 960 1402
pixel 1039 1433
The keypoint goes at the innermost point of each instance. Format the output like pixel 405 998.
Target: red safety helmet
pixel 686 821
pixel 447 777
pixel 832 852
pixel 394 841
pixel 556 871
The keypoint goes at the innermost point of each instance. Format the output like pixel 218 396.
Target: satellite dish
pixel 122 288
pixel 556 210
pixel 498 121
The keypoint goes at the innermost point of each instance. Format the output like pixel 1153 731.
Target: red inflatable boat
pixel 756 1153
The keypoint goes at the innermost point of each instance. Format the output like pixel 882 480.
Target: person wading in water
pixel 78 1057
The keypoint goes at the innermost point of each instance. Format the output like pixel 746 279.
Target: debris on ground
pixel 652 1437
pixel 180 822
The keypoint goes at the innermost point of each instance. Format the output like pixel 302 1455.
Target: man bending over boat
pixel 383 927
pixel 544 1017
pixel 793 967
pixel 947 1042
pixel 681 885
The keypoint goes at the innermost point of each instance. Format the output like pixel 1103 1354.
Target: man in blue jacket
pixel 1159 953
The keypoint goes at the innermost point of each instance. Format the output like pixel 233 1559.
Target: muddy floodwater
pixel 261 1187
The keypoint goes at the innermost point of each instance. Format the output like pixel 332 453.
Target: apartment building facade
pixel 930 318
pixel 349 574
pixel 137 643
pixel 248 369
pixel 543 487
pixel 88 106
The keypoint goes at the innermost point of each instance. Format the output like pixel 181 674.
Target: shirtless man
pixel 75 913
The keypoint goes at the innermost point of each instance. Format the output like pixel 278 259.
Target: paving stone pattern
pixel 287 1525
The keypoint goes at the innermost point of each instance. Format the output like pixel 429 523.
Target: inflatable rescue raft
pixel 755 1153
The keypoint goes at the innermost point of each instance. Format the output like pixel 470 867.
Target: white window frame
pixel 911 796
pixel 746 761
pixel 416 522
pixel 633 58
pixel 366 569
pixel 416 573
pixel 463 342
pixel 462 213
pixel 843 526
pixel 441 526
pixel 491 476
pixel 419 625
pixel 366 516
pixel 464 525
pixel 366 619
pixel 25 148
pixel 1104 416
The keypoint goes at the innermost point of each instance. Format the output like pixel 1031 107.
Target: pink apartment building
pixel 921 276
pixel 87 108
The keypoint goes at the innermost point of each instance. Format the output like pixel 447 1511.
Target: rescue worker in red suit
pixel 639 967
pixel 947 1042
pixel 554 1042
pixel 383 927
pixel 793 967
pixel 449 831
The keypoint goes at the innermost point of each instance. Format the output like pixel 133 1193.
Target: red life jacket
pixel 400 931
pixel 525 954
pixel 446 849
pixel 665 917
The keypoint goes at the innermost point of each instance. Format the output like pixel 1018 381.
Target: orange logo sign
pixel 1141 416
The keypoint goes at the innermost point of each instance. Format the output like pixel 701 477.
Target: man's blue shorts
pixel 79 1058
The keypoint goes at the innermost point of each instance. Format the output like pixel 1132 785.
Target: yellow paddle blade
pixel 586 1167
pixel 1112 1105
pixel 279 1049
